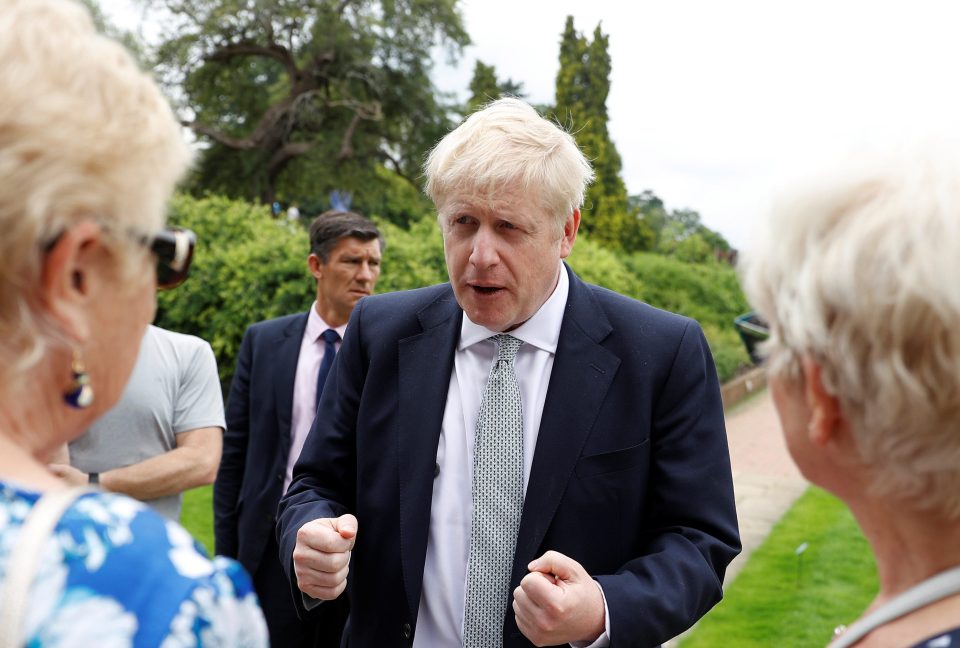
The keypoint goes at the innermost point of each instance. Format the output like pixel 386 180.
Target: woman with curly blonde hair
pixel 89 154
pixel 858 276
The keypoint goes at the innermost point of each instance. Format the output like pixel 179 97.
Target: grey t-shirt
pixel 174 388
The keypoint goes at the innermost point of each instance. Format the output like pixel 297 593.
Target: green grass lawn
pixel 782 599
pixel 197 515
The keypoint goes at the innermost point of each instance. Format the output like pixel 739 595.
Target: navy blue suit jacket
pixel 630 477
pixel 257 439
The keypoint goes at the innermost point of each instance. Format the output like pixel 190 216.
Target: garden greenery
pixel 249 267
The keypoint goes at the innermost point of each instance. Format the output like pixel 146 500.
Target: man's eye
pixel 508 225
pixel 463 220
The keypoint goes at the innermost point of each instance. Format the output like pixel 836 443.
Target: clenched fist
pixel 558 602
pixel 321 558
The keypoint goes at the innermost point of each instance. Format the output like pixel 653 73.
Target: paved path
pixel 765 480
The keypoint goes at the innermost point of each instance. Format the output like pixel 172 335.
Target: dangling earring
pixel 80 394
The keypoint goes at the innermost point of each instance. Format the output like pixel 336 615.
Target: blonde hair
pixel 861 272
pixel 506 144
pixel 83 134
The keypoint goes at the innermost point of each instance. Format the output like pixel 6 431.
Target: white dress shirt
pixel 440 618
pixel 304 410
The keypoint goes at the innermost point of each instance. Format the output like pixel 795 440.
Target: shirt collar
pixel 316 326
pixel 542 330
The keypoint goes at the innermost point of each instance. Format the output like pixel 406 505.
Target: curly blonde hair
pixel 860 271
pixel 84 133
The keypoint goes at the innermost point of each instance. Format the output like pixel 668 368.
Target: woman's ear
pixel 826 418
pixel 68 275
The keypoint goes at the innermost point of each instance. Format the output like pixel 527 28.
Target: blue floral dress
pixel 116 574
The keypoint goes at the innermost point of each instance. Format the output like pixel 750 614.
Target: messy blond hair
pixel 508 144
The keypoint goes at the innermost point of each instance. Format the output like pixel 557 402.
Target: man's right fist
pixel 321 558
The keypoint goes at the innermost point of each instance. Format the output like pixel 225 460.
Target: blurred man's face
pixel 503 255
pixel 350 273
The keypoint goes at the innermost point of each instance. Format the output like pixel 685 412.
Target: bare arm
pixel 192 463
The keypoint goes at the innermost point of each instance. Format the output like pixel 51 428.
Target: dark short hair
pixel 333 225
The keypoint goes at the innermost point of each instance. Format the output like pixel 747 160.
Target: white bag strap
pixel 25 559
pixel 933 589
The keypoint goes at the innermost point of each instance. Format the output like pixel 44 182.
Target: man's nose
pixel 366 272
pixel 484 253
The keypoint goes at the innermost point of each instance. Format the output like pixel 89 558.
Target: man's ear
pixel 826 417
pixel 315 265
pixel 570 228
pixel 68 277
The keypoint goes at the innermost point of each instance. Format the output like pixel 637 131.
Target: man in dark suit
pixel 515 457
pixel 273 401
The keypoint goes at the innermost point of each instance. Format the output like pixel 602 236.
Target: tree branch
pixel 244 144
pixel 273 51
pixel 283 156
pixel 398 169
pixel 346 143
pixel 369 111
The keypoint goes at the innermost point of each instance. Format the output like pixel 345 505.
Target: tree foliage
pixel 583 84
pixel 485 87
pixel 296 98
pixel 680 232
pixel 249 267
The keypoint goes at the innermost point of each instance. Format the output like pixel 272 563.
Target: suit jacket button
pixel 436 470
pixel 280 477
pixel 407 631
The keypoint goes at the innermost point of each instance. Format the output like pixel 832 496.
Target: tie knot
pixel 330 336
pixel 507 347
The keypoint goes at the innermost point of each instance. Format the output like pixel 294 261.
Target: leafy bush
pixel 247 267
pixel 250 267
pixel 708 292
pixel 413 257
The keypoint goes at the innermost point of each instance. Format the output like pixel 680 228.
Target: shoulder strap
pixel 25 558
pixel 933 589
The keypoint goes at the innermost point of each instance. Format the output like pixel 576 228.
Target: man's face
pixel 503 255
pixel 351 272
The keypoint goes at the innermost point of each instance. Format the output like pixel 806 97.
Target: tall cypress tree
pixel 583 84
pixel 483 86
pixel 571 77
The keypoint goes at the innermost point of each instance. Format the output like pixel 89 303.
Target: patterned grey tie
pixel 497 501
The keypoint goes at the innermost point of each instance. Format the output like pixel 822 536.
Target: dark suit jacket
pixel 257 439
pixel 631 473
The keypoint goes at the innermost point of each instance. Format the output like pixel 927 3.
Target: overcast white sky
pixel 714 104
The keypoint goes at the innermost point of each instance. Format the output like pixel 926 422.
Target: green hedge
pixel 249 267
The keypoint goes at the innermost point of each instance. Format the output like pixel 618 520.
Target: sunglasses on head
pixel 173 248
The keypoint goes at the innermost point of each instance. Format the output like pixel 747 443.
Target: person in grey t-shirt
pixel 165 434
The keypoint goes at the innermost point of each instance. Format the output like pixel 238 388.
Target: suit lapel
pixel 582 373
pixel 287 355
pixel 425 363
